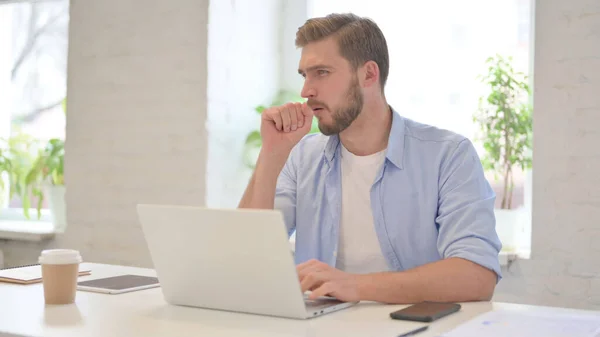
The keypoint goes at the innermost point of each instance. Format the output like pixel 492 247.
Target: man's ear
pixel 370 74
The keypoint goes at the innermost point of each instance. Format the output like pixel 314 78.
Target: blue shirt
pixel 430 199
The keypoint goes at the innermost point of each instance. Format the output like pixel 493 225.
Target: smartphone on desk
pixel 425 311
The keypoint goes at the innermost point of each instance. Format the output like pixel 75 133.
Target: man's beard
pixel 344 116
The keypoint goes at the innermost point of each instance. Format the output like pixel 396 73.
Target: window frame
pixel 16 214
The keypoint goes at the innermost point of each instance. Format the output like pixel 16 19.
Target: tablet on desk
pixel 119 284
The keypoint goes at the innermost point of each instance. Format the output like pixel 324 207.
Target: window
pixel 436 55
pixel 437 49
pixel 33 63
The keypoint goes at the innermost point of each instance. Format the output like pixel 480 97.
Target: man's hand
pixel 323 280
pixel 282 127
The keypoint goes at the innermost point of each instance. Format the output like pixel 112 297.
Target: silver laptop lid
pixel 236 259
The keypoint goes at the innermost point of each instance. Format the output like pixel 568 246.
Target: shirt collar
pixel 395 149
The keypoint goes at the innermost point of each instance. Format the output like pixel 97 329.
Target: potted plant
pixel 47 174
pixel 19 155
pixel 253 141
pixel 505 122
pixel 5 172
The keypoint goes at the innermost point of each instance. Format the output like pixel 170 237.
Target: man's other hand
pixel 324 280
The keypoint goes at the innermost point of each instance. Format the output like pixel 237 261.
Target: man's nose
pixel 308 91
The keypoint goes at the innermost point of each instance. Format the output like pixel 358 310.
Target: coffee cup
pixel 60 269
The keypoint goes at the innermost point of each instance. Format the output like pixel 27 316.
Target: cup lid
pixel 60 256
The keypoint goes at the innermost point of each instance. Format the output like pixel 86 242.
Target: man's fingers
pixel 312 281
pixel 285 116
pixel 299 114
pixel 308 116
pixel 325 289
pixel 307 267
pixel 307 271
pixel 293 117
pixel 276 116
pixel 306 110
pixel 307 264
pixel 290 117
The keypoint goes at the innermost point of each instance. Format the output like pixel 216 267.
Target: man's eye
pixel 322 72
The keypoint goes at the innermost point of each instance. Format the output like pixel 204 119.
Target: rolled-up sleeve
pixel 467 225
pixel 285 194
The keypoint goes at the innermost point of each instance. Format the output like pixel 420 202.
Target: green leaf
pixel 26 205
pixel 254 138
pixel 40 195
pixel 260 109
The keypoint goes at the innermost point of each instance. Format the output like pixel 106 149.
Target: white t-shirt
pixel 359 251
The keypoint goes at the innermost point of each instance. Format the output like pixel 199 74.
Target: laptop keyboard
pixel 322 302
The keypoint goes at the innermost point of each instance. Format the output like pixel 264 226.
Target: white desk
pixel 145 313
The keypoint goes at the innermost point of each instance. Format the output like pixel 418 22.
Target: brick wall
pixel 136 130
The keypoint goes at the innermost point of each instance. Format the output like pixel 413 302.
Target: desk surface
pixel 145 313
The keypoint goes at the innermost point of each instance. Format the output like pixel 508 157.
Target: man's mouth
pixel 316 107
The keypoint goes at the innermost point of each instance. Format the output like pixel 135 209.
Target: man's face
pixel 330 85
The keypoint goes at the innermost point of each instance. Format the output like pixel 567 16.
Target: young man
pixel 384 208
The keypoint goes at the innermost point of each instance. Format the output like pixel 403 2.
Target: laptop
pixel 227 259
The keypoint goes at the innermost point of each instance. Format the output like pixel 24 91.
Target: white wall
pixel 565 265
pixel 243 72
pixel 6 56
pixel 137 84
pixel 295 13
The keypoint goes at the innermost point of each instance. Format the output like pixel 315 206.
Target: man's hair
pixel 359 39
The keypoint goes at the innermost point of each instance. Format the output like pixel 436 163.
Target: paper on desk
pixel 502 323
pixel 28 274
